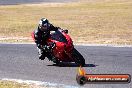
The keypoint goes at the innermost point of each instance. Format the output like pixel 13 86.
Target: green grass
pixel 87 22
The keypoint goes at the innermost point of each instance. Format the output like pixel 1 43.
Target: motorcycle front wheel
pixel 78 58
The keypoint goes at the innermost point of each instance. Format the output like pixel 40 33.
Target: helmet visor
pixel 44 27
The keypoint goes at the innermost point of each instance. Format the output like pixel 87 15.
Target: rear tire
pixel 79 59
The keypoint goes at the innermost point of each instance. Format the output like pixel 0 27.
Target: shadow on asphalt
pixel 72 65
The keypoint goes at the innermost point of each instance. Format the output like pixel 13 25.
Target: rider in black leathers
pixel 40 35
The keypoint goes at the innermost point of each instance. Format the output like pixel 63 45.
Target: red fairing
pixel 69 45
pixel 32 34
pixel 62 50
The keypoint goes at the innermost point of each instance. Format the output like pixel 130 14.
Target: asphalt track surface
pixel 20 61
pixel 13 2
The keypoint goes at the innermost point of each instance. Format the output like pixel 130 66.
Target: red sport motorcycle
pixel 63 48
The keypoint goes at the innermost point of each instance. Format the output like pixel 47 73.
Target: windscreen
pixel 58 36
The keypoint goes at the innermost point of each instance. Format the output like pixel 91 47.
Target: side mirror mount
pixel 66 31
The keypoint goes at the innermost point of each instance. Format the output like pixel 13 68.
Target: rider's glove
pixel 47 48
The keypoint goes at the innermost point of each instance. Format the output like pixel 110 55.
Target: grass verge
pixel 10 84
pixel 88 22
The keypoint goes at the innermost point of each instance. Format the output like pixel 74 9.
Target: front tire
pixel 79 59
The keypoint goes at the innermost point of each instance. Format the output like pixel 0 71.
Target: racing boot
pixel 41 54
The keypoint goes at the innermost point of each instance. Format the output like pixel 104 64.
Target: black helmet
pixel 43 21
pixel 43 24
